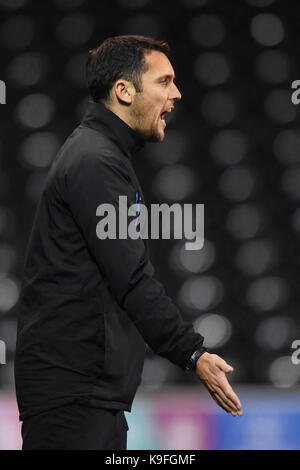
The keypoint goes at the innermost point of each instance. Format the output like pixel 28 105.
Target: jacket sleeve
pixel 124 262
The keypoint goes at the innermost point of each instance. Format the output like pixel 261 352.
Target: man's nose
pixel 175 95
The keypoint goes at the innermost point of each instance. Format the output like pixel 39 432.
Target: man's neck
pixel 122 114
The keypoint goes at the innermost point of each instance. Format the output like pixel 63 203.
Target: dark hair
pixel 119 57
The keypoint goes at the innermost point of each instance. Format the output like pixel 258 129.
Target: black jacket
pixel 88 307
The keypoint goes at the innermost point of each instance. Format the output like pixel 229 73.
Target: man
pixel 89 302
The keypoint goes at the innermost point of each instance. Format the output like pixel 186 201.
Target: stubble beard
pixel 139 114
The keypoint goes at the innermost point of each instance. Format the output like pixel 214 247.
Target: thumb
pixel 226 367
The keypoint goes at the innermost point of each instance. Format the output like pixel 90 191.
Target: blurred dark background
pixel 233 144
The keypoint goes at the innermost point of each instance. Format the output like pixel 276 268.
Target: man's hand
pixel 211 370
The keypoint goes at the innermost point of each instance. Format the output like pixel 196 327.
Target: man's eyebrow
pixel 167 75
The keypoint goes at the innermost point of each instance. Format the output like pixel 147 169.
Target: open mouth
pixel 162 117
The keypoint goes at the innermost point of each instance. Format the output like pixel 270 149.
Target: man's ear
pixel 124 91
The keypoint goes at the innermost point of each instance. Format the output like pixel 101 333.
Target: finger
pixel 231 397
pixel 227 399
pixel 218 399
pixel 217 390
pixel 217 393
pixel 228 392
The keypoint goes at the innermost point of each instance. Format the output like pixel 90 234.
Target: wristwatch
pixel 191 364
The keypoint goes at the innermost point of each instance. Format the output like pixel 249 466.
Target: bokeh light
pixel 207 30
pixel 39 149
pixel 27 69
pixel 35 111
pixel 228 147
pixel 267 293
pixel 239 183
pixel 246 220
pixel 201 293
pixel 283 374
pixel 188 261
pixel 212 68
pixel 9 293
pixel 215 328
pixel 267 29
pixel 272 66
pixel 218 108
pixel 275 333
pixel 17 32
pixel 256 256
pixel 175 182
pixel 74 29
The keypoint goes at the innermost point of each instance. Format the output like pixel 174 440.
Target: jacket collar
pixel 101 119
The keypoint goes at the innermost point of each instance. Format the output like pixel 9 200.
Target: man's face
pixel 158 96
